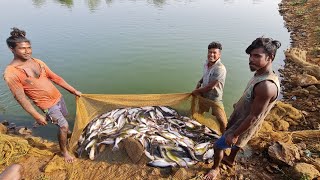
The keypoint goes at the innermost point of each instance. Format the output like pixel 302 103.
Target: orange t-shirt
pixel 40 90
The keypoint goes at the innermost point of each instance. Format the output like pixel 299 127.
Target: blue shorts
pixel 221 144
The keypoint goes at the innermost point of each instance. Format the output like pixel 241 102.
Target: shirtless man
pixel 257 100
pixel 30 77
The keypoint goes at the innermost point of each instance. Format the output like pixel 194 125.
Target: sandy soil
pixel 293 126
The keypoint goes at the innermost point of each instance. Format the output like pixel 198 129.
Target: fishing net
pixel 90 106
pixel 12 148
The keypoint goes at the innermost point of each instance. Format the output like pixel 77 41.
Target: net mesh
pixel 91 105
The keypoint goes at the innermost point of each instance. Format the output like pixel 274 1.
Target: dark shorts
pixel 57 113
pixel 221 144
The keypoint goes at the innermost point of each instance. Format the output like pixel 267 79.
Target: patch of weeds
pixel 43 177
pixel 315 52
pixel 298 2
pixel 305 177
pixel 300 12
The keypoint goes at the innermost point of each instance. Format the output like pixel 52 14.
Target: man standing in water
pixel 212 82
pixel 32 78
pixel 257 100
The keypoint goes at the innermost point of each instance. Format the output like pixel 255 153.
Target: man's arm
pixel 60 81
pixel 18 93
pixel 205 89
pixel 217 77
pixel 264 92
pixel 199 83
pixel 27 106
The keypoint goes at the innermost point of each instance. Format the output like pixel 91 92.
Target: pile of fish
pixel 168 138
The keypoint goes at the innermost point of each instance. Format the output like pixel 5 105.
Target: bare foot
pixel 68 158
pixel 212 174
pixel 228 162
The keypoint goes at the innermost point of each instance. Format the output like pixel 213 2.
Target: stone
pixel 3 129
pixel 303 169
pixel 134 149
pixel 283 153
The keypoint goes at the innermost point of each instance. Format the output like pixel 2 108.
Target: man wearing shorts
pixel 257 100
pixel 32 78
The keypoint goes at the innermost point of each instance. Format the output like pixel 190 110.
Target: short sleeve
pixel 13 81
pixel 219 74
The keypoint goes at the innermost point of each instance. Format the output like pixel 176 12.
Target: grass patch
pixel 300 12
pixel 298 2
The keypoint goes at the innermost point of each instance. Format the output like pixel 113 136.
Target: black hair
pixel 215 45
pixel 17 36
pixel 269 45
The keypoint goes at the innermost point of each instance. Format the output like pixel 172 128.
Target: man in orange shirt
pixel 32 78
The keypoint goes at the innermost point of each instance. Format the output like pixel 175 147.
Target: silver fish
pixel 208 155
pixel 161 163
pixel 92 152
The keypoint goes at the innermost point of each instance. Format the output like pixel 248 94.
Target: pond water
pixel 136 46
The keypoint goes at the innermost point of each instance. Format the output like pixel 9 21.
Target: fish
pixel 168 138
pixel 90 144
pixel 92 152
pixel 161 163
pixel 208 154
pixel 200 149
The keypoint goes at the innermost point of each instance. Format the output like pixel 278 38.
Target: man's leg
pixel 13 172
pixel 230 160
pixel 215 171
pixel 219 146
pixel 62 137
pixel 57 118
pixel 221 117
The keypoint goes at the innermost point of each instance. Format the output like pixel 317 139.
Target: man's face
pixel 213 54
pixel 22 50
pixel 258 59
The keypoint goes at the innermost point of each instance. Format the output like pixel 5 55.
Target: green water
pixel 136 47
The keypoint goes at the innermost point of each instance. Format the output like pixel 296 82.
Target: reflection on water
pixel 38 3
pixel 94 4
pixel 234 1
pixel 229 1
pixel 68 3
pixel 157 3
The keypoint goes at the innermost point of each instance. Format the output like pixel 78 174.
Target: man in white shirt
pixel 212 82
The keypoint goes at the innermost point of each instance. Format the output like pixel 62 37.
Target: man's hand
pixel 198 85
pixel 196 92
pixel 41 121
pixel 78 93
pixel 231 139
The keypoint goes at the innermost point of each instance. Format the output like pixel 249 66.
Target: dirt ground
pixel 287 146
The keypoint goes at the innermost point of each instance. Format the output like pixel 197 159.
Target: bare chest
pixel 31 69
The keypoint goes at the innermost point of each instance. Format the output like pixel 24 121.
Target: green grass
pixel 300 12
pixel 298 2
pixel 305 177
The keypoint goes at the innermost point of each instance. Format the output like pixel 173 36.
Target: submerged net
pixel 96 109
